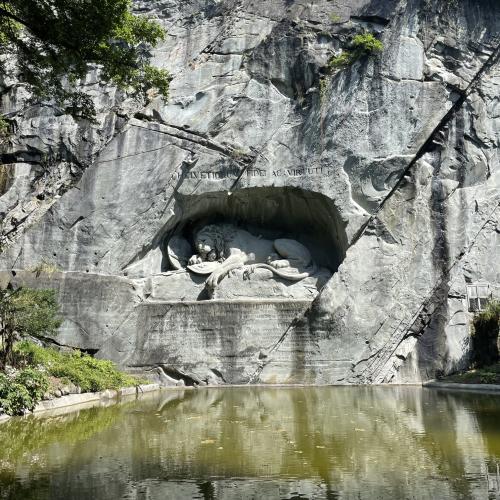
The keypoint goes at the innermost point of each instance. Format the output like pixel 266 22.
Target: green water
pixel 262 443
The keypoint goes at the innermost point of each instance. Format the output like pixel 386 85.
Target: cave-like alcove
pixel 272 212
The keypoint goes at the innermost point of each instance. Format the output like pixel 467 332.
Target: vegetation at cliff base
pixel 23 391
pixel 485 348
pixel 40 371
pixel 80 369
pixel 486 375
pixel 25 312
pixel 54 41
pixel 28 371
pixel 485 335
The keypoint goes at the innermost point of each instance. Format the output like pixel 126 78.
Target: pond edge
pixel 490 388
pixel 94 398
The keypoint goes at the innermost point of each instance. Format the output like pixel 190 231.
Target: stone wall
pixel 387 170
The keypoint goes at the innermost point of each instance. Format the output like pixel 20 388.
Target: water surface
pixel 262 443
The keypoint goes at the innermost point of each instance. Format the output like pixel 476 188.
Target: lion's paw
pixel 195 259
pixel 249 270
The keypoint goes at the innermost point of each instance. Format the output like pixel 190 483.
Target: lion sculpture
pixel 223 248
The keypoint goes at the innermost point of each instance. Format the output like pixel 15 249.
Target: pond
pixel 261 443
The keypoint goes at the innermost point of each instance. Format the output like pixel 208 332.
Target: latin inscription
pixel 253 172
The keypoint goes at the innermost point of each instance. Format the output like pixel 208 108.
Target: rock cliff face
pixel 387 171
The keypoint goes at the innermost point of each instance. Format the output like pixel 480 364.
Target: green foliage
pixel 367 44
pixel 364 44
pixel 487 375
pixel 485 335
pixel 489 378
pixel 26 389
pixel 88 373
pixel 17 400
pixel 490 315
pixel 35 382
pixel 156 78
pixel 22 392
pixel 54 41
pixel 26 312
pixel 4 384
pixel 335 18
pixel 341 61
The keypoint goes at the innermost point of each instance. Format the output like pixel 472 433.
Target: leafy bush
pixel 488 378
pixel 35 382
pixel 367 44
pixel 485 333
pixel 364 44
pixel 82 370
pixel 23 392
pixel 17 400
pixel 25 312
pixel 26 389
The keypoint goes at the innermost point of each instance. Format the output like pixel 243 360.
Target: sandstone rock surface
pixel 387 171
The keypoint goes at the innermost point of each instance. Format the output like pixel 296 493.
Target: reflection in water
pixel 239 443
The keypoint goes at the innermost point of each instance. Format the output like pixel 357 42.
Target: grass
pixel 80 369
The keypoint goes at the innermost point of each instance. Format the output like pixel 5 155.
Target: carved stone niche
pixel 281 243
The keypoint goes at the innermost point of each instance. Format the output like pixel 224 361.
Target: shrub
pixel 367 44
pixel 22 392
pixel 35 381
pixel 364 44
pixel 25 312
pixel 82 370
pixel 488 378
pixel 17 400
pixel 485 332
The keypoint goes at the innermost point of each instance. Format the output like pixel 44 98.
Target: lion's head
pixel 210 241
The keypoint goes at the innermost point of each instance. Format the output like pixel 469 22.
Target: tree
pixel 54 41
pixel 25 312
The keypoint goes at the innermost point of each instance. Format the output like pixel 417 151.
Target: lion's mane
pixel 221 235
